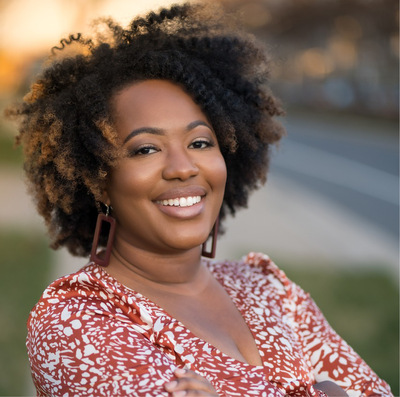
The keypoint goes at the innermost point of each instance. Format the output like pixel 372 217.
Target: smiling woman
pixel 167 126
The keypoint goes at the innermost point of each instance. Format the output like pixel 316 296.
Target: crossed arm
pixel 96 353
pixel 190 384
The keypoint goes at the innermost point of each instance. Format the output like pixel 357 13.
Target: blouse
pixel 89 335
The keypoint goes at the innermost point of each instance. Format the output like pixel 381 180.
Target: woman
pixel 158 131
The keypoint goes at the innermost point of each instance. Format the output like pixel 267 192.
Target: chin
pixel 188 242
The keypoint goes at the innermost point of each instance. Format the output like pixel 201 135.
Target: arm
pixel 91 353
pixel 331 358
pixel 96 355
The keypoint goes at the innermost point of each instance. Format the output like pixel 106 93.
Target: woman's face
pixel 167 193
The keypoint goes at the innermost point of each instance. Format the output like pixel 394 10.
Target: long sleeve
pixel 330 356
pixel 88 338
pixel 89 335
pixel 90 353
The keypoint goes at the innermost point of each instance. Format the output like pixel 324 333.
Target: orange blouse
pixel 89 335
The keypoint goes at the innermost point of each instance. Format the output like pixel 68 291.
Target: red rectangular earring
pixel 94 257
pixel 214 234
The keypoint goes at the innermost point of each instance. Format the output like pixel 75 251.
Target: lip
pixel 182 212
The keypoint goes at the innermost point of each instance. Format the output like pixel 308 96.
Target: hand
pixel 331 389
pixel 189 384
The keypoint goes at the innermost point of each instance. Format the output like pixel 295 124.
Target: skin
pixel 172 152
pixel 187 384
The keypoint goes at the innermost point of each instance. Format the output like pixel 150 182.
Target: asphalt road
pixel 353 161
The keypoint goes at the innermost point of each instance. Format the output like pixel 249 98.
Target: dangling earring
pixel 211 254
pixel 111 221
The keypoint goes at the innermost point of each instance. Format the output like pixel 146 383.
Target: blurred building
pixel 334 54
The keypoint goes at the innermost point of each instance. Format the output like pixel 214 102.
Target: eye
pixel 201 144
pixel 143 150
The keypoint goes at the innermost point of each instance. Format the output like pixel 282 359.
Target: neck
pixel 143 270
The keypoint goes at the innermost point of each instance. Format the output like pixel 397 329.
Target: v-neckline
pixel 235 301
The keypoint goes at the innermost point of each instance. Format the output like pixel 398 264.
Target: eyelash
pixel 139 151
pixel 207 142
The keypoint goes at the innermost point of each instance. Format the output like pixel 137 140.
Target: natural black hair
pixel 66 122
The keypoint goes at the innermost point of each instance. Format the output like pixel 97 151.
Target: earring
pixel 111 222
pixel 211 254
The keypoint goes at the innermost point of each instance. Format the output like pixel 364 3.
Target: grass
pixel 25 265
pixel 363 308
pixel 9 154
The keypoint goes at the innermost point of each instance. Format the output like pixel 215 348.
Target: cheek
pixel 125 181
pixel 118 181
pixel 218 173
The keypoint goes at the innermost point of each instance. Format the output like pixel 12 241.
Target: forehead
pixel 155 101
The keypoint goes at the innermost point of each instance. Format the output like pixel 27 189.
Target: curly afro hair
pixel 66 123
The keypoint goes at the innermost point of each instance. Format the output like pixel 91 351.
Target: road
pixel 331 196
pixel 352 161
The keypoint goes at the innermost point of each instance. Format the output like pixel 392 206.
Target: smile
pixel 181 201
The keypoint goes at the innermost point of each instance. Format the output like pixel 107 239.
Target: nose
pixel 179 164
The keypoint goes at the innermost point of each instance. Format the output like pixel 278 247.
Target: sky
pixel 30 28
pixel 32 25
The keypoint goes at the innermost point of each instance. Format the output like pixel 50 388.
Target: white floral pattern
pixel 91 336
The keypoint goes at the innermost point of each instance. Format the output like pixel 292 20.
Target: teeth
pixel 181 202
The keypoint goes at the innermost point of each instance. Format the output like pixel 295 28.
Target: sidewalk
pixel 294 225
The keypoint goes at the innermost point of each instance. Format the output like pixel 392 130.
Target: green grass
pixel 9 154
pixel 363 308
pixel 25 264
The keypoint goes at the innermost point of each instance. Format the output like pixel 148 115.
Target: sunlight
pixel 33 26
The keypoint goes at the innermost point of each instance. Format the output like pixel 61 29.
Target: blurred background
pixel 329 214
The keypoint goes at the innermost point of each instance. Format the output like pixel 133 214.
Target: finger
pixel 182 372
pixel 189 384
pixel 193 393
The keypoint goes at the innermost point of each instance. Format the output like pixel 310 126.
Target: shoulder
pixel 88 292
pixel 83 283
pixel 255 270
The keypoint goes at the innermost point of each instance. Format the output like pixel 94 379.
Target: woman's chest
pixel 201 343
pixel 284 365
pixel 214 318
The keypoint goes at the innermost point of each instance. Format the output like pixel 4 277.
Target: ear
pixel 105 198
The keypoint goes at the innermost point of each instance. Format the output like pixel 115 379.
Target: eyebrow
pixel 144 130
pixel 159 131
